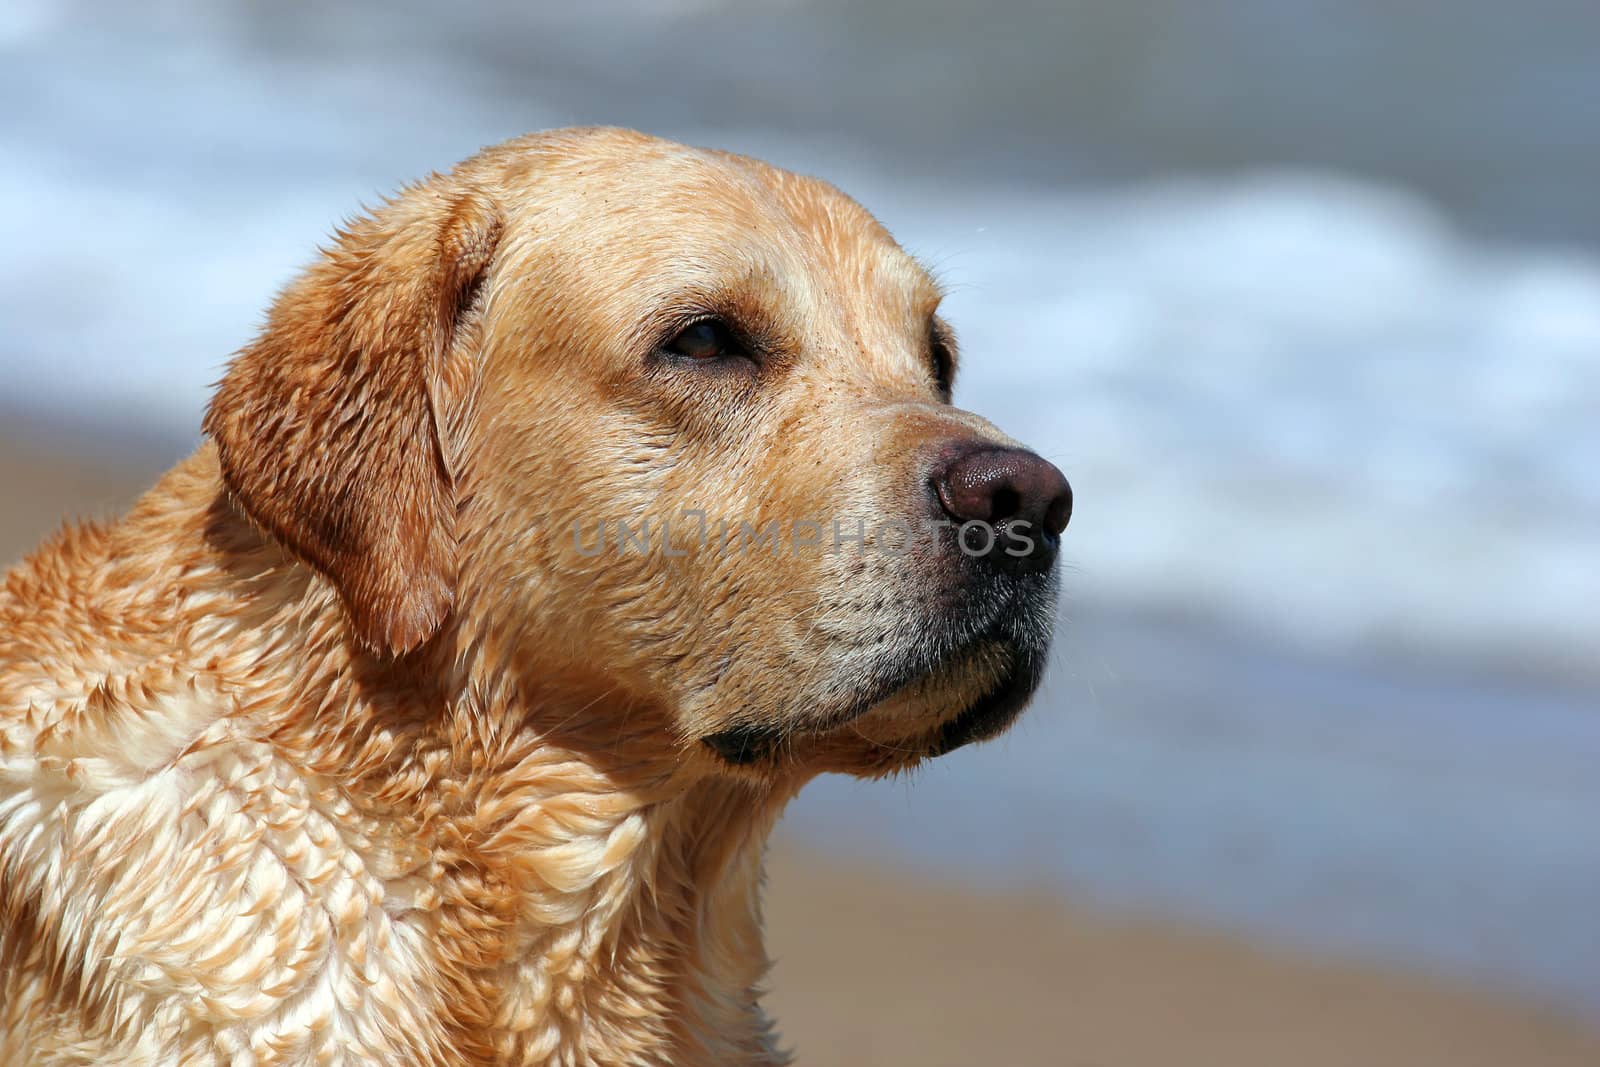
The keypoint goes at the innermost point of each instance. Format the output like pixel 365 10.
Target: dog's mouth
pixel 995 710
pixel 1003 657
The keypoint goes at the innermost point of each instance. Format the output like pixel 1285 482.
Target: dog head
pixel 664 423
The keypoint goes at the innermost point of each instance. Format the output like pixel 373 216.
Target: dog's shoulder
pixel 169 880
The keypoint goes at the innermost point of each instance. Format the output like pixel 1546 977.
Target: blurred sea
pixel 1328 671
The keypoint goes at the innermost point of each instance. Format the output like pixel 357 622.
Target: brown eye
pixel 706 339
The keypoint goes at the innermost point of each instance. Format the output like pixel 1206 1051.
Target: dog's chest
pixel 215 902
pixel 219 907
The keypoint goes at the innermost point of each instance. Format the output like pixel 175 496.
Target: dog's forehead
pixel 672 209
pixel 856 247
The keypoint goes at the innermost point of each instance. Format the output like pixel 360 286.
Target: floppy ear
pixel 328 428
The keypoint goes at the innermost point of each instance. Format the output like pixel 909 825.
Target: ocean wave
pixel 1299 399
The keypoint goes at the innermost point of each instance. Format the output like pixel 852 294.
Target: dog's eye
pixel 706 339
pixel 942 354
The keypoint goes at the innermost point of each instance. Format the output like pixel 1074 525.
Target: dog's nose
pixel 1023 497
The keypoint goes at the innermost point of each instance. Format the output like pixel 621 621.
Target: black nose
pixel 1022 497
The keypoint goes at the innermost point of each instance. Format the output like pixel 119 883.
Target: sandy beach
pixel 882 966
pixel 876 966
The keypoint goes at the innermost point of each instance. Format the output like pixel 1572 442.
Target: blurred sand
pixel 877 966
pixel 886 967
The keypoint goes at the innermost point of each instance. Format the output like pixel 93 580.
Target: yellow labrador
pixel 571 511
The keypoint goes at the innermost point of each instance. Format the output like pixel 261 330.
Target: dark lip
pixel 997 709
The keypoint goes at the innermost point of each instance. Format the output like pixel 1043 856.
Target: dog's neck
pixel 581 896
pixel 575 893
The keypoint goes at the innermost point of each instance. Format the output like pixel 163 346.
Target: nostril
pixel 1060 510
pixel 1007 503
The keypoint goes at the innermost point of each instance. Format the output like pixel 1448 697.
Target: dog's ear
pixel 328 426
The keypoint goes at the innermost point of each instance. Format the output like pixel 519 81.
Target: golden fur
pixel 334 750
